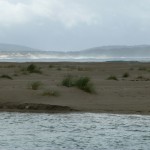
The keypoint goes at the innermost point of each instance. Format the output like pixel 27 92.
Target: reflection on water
pixel 87 131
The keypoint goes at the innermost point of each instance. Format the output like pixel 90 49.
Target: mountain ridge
pixel 109 51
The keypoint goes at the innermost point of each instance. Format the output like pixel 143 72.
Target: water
pixel 48 56
pixel 87 131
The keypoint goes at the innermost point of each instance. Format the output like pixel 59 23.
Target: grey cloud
pixel 74 24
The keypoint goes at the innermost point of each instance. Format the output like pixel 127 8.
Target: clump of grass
pixel 112 77
pixel 125 75
pixel 140 77
pixel 50 93
pixel 6 76
pixel 33 69
pixel 68 81
pixel 51 66
pixel 84 84
pixel 35 85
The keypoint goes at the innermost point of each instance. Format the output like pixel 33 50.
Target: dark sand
pixel 126 95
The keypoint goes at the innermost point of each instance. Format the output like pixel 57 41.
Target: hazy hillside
pixel 105 53
pixel 12 47
pixel 110 51
pixel 117 51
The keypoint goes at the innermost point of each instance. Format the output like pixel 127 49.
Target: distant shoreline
pixel 17 53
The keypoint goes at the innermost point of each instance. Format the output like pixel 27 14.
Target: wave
pixel 49 56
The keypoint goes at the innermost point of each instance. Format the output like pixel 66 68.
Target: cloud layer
pixel 74 24
pixel 67 12
pixel 71 13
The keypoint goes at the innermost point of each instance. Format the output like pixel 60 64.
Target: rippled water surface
pixel 87 131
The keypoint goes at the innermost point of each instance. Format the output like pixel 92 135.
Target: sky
pixel 74 24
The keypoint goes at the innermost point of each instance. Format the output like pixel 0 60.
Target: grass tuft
pixel 112 77
pixel 140 77
pixel 50 93
pixel 33 69
pixel 68 81
pixel 51 66
pixel 6 76
pixel 84 84
pixel 35 85
pixel 126 75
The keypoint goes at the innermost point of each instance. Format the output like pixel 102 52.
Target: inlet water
pixel 87 131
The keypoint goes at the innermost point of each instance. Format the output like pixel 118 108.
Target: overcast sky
pixel 74 24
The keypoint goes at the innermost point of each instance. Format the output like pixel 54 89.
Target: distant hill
pixel 117 51
pixel 103 51
pixel 12 47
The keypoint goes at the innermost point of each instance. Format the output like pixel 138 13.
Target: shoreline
pixel 75 112
pixel 125 95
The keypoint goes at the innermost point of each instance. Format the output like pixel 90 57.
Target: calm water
pixel 74 132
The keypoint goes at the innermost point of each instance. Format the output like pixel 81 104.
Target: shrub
pixel 33 69
pixel 36 85
pixel 51 66
pixel 125 75
pixel 68 81
pixel 112 78
pixel 6 76
pixel 51 93
pixel 84 84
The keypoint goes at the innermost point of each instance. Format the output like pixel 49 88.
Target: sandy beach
pixel 120 87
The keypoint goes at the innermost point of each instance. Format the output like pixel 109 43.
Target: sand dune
pixel 128 94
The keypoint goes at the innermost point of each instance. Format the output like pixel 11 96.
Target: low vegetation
pixel 68 81
pixel 112 77
pixel 140 77
pixel 82 83
pixel 33 69
pixel 35 85
pixel 125 75
pixel 6 76
pixel 50 93
pixel 51 66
